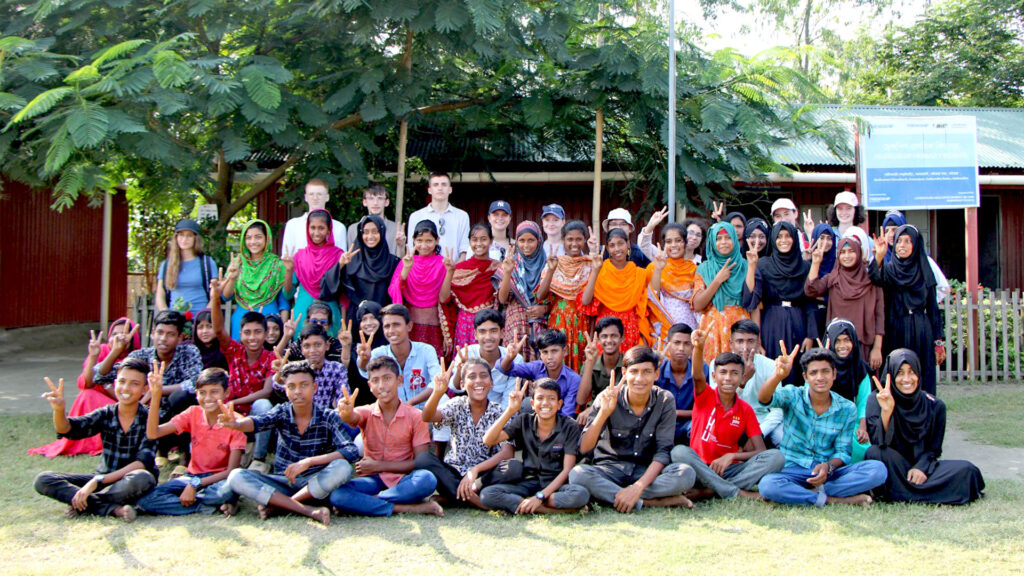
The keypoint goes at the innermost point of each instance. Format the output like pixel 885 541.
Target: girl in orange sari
pixel 618 287
pixel 671 287
pixel 565 277
pixel 718 287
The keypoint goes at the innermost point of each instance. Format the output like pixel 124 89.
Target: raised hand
pixel 552 263
pixel 784 363
pixel 216 284
pixel 120 342
pixel 881 246
pixel 660 257
pixel 718 210
pixel 345 334
pixel 884 395
pixel 95 343
pixel 516 347
pixel 593 350
pixel 288 259
pixel 656 219
pixel 235 266
pixel 347 403
pixel 449 259
pixel 724 273
pixel 363 349
pixel 808 220
pixel 509 263
pixel 516 396
pixel 593 241
pixel 700 336
pixel 291 326
pixel 156 381
pixel 441 380
pixel 609 397
pixel 407 264
pixel 346 257
pixel 56 394
pixel 400 235
pixel 752 255
pixel 597 260
pixel 226 418
pixel 818 253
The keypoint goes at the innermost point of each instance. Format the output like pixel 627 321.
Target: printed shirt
pixel 245 378
pixel 638 440
pixel 211 445
pixel 393 441
pixel 325 433
pixel 501 383
pixel 330 379
pixel 811 439
pixel 717 431
pixel 467 445
pixel 543 459
pixel 120 448
pixel 568 380
pixel 183 369
pixel 418 372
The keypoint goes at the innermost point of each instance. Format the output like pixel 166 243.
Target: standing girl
pixel 186 272
pixel 311 263
pixel 519 276
pixel 672 277
pixel 565 277
pixel 258 280
pixel 417 284
pixel 468 288
pixel 368 276
pixel 618 287
pixel 718 287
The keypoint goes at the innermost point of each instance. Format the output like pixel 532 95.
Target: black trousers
pixel 448 476
pixel 62 487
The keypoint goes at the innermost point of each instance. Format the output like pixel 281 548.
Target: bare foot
pixel 71 513
pixel 699 493
pixel 474 500
pixel 126 513
pixel 750 495
pixel 229 508
pixel 428 507
pixel 668 502
pixel 263 512
pixel 858 500
pixel 439 499
pixel 321 515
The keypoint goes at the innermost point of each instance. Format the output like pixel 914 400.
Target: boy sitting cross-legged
pixel 216 450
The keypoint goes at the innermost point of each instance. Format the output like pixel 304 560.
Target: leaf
pixel 88 125
pixel 341 98
pixel 221 104
pixel 198 8
pixel 373 108
pixel 349 157
pixel 235 146
pixel 120 122
pixel 486 15
pixel 450 16
pixel 10 101
pixel 15 44
pixel 118 50
pixel 170 69
pixel 537 111
pixel 263 92
pixel 35 70
pixel 60 150
pixel 41 104
pixel 87 73
pixel 370 80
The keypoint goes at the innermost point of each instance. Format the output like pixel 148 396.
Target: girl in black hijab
pixel 368 275
pixel 365 324
pixel 758 231
pixel 852 381
pixel 907 427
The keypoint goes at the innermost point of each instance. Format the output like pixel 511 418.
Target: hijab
pixel 729 217
pixel 852 370
pixel 912 276
pixel 368 275
pixel 527 272
pixel 313 261
pixel 786 272
pixel 893 218
pixel 423 285
pixel 369 307
pixel 828 261
pixel 259 281
pixel 730 292
pixel 852 294
pixel 914 412
pixel 211 354
pixel 274 319
pixel 758 224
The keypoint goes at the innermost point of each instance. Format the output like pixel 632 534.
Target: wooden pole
pixel 595 216
pixel 403 137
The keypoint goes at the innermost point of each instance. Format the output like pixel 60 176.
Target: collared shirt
pixel 764 367
pixel 683 394
pixel 638 440
pixel 120 448
pixel 184 368
pixel 330 379
pixel 211 445
pixel 418 372
pixel 390 228
pixel 455 232
pixel 717 431
pixel 294 237
pixel 811 439
pixel 568 380
pixel 497 251
pixel 393 441
pixel 543 459
pixel 501 384
pixel 600 376
pixel 467 447
pixel 325 433
pixel 245 378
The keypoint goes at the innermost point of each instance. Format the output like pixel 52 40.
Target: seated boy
pixel 819 431
pixel 720 421
pixel 550 443
pixel 631 434
pixel 250 365
pixel 487 325
pixel 602 357
pixel 313 450
pixel 216 451
pixel 675 375
pixel 469 463
pixel 745 340
pixel 127 467
pixel 418 361
pixel 317 313
pixel 394 433
pixel 551 344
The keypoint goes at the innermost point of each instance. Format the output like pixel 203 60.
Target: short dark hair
pixel 478 362
pixel 170 318
pixel 549 338
pixel 488 315
pixel 679 328
pixel 547 384
pixel 817 355
pixel 212 376
pixel 577 225
pixel 745 326
pixel 375 190
pixel 482 226
pixel 438 174
pixel 395 310
pixel 726 358
pixel 137 364
pixel 299 367
pixel 313 330
pixel 606 321
pixel 384 363
pixel 673 226
pixel 318 306
pixel 639 355
pixel 251 317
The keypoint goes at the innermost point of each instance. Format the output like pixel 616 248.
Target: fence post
pixel 1016 331
pixel 962 342
pixel 1004 373
pixel 993 341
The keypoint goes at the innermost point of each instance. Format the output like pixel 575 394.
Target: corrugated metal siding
pixel 50 263
pixel 271 210
pixel 1011 262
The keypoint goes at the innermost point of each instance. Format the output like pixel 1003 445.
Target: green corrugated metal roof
pixel 1000 134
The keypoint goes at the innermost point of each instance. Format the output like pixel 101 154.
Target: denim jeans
pixel 739 476
pixel 262 440
pixel 166 498
pixel 370 496
pixel 62 487
pixel 604 480
pixel 260 487
pixel 789 486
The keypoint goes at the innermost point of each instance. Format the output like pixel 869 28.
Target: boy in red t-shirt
pixel 216 451
pixel 722 422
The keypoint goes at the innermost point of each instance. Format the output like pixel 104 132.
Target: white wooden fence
pixel 983 340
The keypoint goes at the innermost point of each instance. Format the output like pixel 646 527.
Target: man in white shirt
pixel 452 223
pixel 295 229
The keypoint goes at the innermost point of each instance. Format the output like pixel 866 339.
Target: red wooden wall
pixel 50 262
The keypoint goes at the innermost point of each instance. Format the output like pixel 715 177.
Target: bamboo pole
pixel 595 216
pixel 403 138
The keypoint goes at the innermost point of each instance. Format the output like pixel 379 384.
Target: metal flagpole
pixel 672 110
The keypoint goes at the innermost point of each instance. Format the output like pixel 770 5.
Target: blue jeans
pixel 166 498
pixel 789 486
pixel 370 496
pixel 260 487
pixel 262 440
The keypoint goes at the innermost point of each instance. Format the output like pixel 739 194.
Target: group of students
pixel 799 368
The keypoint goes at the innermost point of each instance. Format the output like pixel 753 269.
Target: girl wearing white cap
pixel 845 215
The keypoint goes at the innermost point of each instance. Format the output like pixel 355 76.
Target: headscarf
pixel 471 282
pixel 312 261
pixel 758 224
pixel 828 261
pixel 786 272
pixel 211 354
pixel 731 291
pixel 893 218
pixel 850 371
pixel 852 294
pixel 368 275
pixel 259 281
pixel 526 275
pixel 571 273
pixel 274 319
pixel 423 285
pixel 912 275
pixel 621 290
pixel 914 412
pixel 368 307
pixel 728 219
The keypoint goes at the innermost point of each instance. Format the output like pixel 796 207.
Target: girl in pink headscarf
pixel 417 284
pixel 311 262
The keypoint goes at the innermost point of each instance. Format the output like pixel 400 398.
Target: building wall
pixel 50 262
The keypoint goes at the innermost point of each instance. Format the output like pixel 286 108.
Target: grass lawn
pixel 740 537
pixel 987 414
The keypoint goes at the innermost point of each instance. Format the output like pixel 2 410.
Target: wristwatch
pixel 196 482
pixel 98 478
pixel 831 468
pixel 540 496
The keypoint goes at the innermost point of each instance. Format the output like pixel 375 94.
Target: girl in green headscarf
pixel 257 279
pixel 718 287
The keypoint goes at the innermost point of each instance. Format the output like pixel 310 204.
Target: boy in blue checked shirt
pixel 313 450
